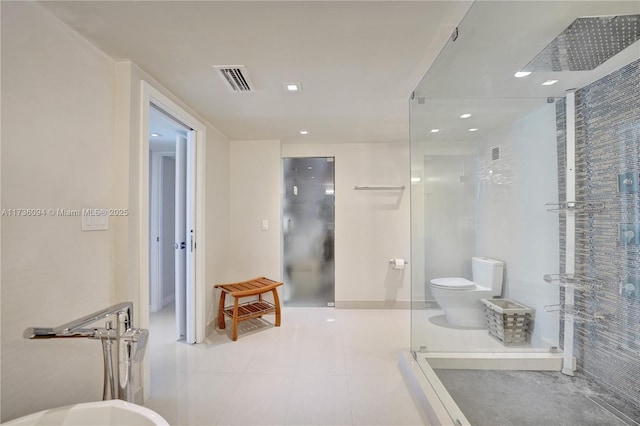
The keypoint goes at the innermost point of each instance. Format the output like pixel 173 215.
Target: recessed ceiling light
pixel 293 87
pixel 435 130
pixel 155 135
pixel 473 130
pixel 304 132
pixel 465 115
pixel 549 82
pixel 309 168
pixel 521 74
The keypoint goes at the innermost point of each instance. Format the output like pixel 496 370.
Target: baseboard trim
pixel 168 299
pixel 373 304
pixel 211 326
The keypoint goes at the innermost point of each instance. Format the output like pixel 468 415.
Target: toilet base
pixel 466 317
pixel 463 308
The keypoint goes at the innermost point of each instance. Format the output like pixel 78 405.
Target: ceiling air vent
pixel 236 78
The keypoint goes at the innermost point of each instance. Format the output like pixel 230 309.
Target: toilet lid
pixel 453 283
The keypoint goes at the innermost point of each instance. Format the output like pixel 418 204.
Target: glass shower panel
pixel 492 172
pixel 484 164
pixel 308 231
pixel 484 195
pixel 449 216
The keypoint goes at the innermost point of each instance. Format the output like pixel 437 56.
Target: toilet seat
pixel 453 283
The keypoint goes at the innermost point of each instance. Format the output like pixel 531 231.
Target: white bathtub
pixel 100 413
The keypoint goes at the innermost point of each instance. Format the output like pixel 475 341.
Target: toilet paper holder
pixel 393 261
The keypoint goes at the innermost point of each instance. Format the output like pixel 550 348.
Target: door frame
pixel 150 94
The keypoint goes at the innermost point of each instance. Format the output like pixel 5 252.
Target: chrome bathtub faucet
pixel 123 345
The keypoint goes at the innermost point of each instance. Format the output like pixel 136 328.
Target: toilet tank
pixel 488 273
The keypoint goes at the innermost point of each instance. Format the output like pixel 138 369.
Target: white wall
pixel 371 226
pixel 57 130
pixel 70 133
pixel 254 195
pixel 449 194
pixel 512 223
pixel 442 234
pixel 218 217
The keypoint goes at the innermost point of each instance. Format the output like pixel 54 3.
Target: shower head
pixel 587 43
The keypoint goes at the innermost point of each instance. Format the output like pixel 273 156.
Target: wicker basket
pixel 508 321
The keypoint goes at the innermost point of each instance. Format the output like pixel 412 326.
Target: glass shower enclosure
pixel 483 165
pixel 524 150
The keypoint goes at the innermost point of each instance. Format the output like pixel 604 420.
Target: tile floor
pixel 323 366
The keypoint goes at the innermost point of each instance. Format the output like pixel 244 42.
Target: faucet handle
pixel 137 338
pixel 39 333
pixel 51 333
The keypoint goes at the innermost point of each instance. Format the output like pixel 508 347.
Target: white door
pixel 191 238
pixel 185 237
pixel 181 236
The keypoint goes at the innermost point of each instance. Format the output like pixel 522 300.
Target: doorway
pixel 309 231
pixel 171 224
pixel 162 170
pixel 196 293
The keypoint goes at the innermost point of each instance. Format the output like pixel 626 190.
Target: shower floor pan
pixel 465 397
pixel 534 398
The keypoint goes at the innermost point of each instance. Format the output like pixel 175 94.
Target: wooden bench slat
pixel 240 292
pixel 236 287
pixel 242 282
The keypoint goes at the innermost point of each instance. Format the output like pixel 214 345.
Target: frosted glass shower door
pixel 308 231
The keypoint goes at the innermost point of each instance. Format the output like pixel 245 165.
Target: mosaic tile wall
pixel 607 340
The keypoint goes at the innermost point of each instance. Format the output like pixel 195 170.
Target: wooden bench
pixel 248 310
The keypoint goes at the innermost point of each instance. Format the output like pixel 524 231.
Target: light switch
pixel 94 220
pixel 265 224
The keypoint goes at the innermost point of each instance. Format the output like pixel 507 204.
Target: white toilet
pixel 459 298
